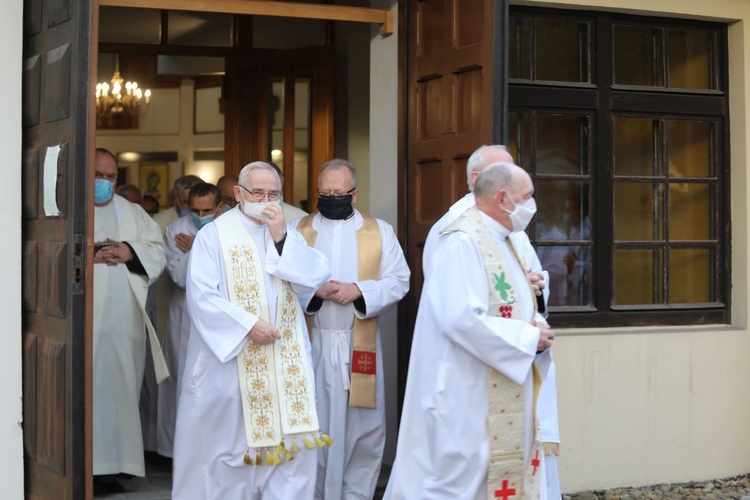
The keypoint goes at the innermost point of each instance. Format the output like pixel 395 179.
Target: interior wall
pixel 644 406
pixel 11 432
pixel 169 127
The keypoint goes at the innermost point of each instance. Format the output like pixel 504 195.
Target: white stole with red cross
pixel 508 476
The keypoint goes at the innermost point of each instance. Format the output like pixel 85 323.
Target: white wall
pixel 11 433
pixel 645 406
pixel 383 188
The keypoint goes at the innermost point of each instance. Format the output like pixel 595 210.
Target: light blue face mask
pixel 102 190
pixel 201 221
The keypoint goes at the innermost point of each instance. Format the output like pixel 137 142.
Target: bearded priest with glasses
pixel 370 276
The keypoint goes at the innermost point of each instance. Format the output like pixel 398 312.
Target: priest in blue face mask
pixel 129 255
pixel 202 203
pixel 370 276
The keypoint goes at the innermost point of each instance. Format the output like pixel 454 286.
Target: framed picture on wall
pixel 153 179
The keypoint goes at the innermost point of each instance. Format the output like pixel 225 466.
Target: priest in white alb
pixel 247 426
pixel 481 158
pixel 128 256
pixel 203 203
pixel 479 356
pixel 370 276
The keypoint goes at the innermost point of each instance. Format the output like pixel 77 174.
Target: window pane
pixel 560 50
pixel 638 56
pixel 519 137
pixel 638 212
pixel 569 271
pixel 689 148
pixel 690 276
pixel 205 29
pixel 519 53
pixel 561 142
pixel 689 212
pixel 562 207
pixel 116 25
pixel 276 105
pixel 690 59
pixel 635 146
pixel 638 277
pixel 301 140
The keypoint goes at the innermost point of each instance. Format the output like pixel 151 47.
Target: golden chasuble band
pixel 364 355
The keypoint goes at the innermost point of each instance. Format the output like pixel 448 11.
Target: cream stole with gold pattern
pixel 507 474
pixel 278 395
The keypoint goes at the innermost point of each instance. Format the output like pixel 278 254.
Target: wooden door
pixel 56 101
pixel 265 112
pixel 455 103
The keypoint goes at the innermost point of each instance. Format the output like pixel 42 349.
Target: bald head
pixel 226 189
pixel 482 158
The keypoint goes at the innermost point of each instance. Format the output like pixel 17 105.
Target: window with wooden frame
pixel 622 122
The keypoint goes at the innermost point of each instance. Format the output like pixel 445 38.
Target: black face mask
pixel 336 207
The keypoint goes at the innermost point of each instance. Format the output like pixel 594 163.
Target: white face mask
pixel 256 209
pixel 522 214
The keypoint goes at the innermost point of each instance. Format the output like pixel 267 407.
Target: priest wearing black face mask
pixel 370 276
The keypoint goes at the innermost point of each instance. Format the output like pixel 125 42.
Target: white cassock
pixel 291 212
pixel 350 469
pixel 174 343
pixel 443 444
pixel 120 338
pixel 210 440
pixel 547 402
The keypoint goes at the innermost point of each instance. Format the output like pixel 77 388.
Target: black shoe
pixel 107 485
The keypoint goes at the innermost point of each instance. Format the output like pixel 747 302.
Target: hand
pixel 537 282
pixel 115 254
pixel 263 333
pixel 184 242
pixel 546 335
pixel 347 292
pixel 275 221
pixel 326 290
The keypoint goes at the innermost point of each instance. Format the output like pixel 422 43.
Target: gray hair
pixel 494 178
pixel 126 189
pixel 336 163
pixel 184 182
pixel 245 172
pixel 478 161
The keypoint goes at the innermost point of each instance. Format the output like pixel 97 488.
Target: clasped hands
pixel 546 335
pixel 537 282
pixel 339 292
pixel 119 253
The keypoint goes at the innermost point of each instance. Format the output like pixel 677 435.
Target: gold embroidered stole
pixel 507 474
pixel 278 395
pixel 369 255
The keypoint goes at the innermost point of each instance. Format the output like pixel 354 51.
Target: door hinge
pixel 77 264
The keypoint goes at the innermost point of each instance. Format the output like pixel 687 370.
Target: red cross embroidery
pixel 506 492
pixel 363 362
pixel 535 463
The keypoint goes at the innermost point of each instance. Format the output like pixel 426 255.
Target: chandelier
pixel 113 105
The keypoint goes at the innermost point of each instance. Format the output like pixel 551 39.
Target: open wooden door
pixel 280 108
pixel 56 102
pixel 455 104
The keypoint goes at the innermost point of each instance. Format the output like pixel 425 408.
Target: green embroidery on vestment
pixel 502 287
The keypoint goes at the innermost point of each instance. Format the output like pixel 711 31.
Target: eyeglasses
pixel 336 196
pixel 258 194
pixel 109 177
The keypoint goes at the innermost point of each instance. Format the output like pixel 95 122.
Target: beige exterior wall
pixel 11 432
pixel 647 406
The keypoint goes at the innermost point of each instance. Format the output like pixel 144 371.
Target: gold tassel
pixel 327 439
pixel 269 458
pixel 247 458
pixel 295 449
pixel 318 441
pixel 283 451
pixel 308 444
pixel 275 457
pixel 258 459
pixel 551 448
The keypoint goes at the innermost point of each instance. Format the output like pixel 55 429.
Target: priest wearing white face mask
pixel 203 202
pixel 480 353
pixel 128 256
pixel 247 402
